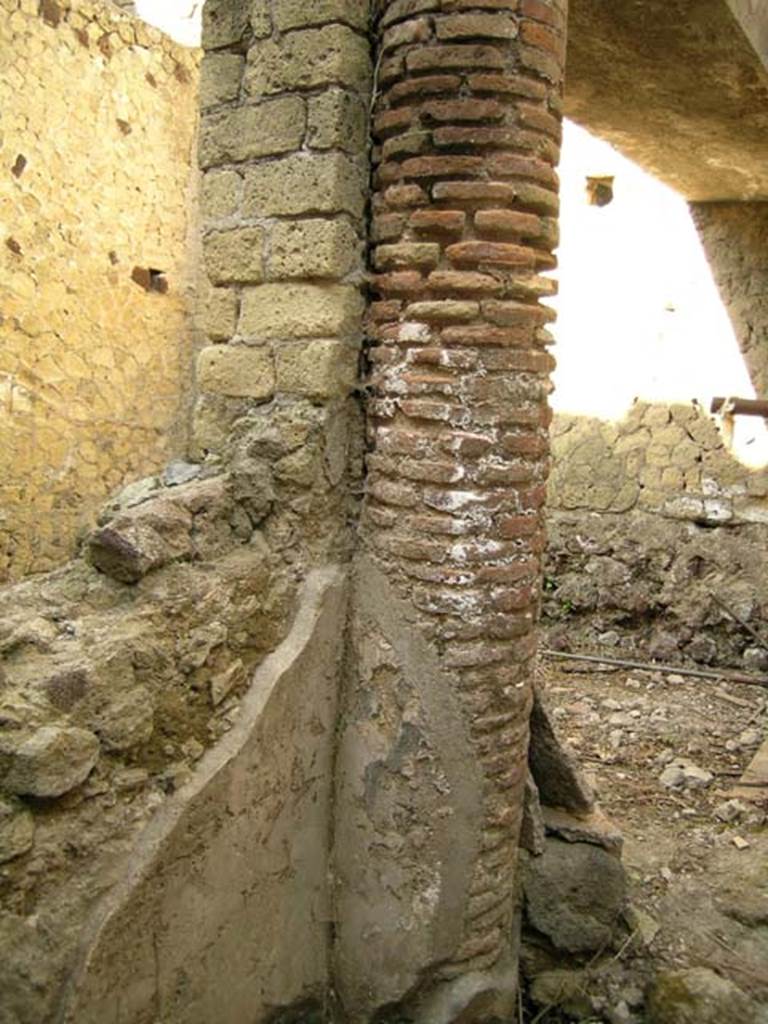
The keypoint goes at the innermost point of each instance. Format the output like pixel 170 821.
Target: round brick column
pixel 464 219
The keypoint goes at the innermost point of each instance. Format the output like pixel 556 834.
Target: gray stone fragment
pixel 17 829
pixel 575 895
pixel 52 761
pixel 554 768
pixel 755 659
pixel 592 828
pixel 564 990
pixel 697 996
pixel 681 774
pixel 179 472
pixel 532 828
pixel 127 721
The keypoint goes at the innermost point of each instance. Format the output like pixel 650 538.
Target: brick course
pixel 459 369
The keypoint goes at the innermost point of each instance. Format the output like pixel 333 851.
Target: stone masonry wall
pixel 96 195
pixel 653 524
pixel 120 670
pixel 285 99
pixel 735 239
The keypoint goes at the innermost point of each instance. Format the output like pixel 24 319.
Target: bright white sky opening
pixel 179 18
pixel 639 314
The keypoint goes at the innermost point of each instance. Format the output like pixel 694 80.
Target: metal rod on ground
pixel 644 666
pixel 737 618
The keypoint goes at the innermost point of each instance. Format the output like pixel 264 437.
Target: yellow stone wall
pixel 97 123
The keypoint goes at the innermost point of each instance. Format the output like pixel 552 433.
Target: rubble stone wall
pixel 97 209
pixel 653 525
pixel 735 239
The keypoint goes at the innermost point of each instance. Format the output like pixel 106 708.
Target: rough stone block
pixel 317 369
pixel 312 248
pixel 220 77
pixel 142 540
pixel 236 371
pixel 52 761
pixel 220 194
pixel 261 19
pixel 246 133
pixel 234 255
pixel 309 58
pixel 212 422
pixel 304 183
pixel 299 14
pixel 300 311
pixel 574 894
pixel 224 23
pixel 127 721
pixel 220 314
pixel 337 120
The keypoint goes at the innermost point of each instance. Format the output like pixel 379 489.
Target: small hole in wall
pixel 18 165
pixel 50 12
pixel 600 190
pixel 150 279
pixel 13 245
pixel 124 126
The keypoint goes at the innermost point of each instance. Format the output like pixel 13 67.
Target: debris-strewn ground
pixel 664 754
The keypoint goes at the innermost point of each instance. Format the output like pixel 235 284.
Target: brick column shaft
pixel 467 133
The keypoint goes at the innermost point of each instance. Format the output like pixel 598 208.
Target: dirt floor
pixel 664 753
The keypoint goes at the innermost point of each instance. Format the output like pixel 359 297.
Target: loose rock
pixel 697 996
pixel 17 829
pixel 574 894
pixel 52 761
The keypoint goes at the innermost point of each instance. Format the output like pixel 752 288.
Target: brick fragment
pixel 405 33
pixel 507 222
pixel 388 310
pixel 517 85
pixel 400 196
pixel 387 226
pixel 542 63
pixel 442 166
pixel 443 311
pixel 482 335
pixel 475 26
pixel 403 282
pixel 541 11
pixel 462 110
pixel 480 135
pixel 464 281
pixel 406 254
pixel 512 165
pixel 474 192
pixel 531 445
pixel 438 221
pixel 511 313
pixel 544 38
pixel 501 254
pixel 394 120
pixel 541 120
pixel 423 86
pixel 461 57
